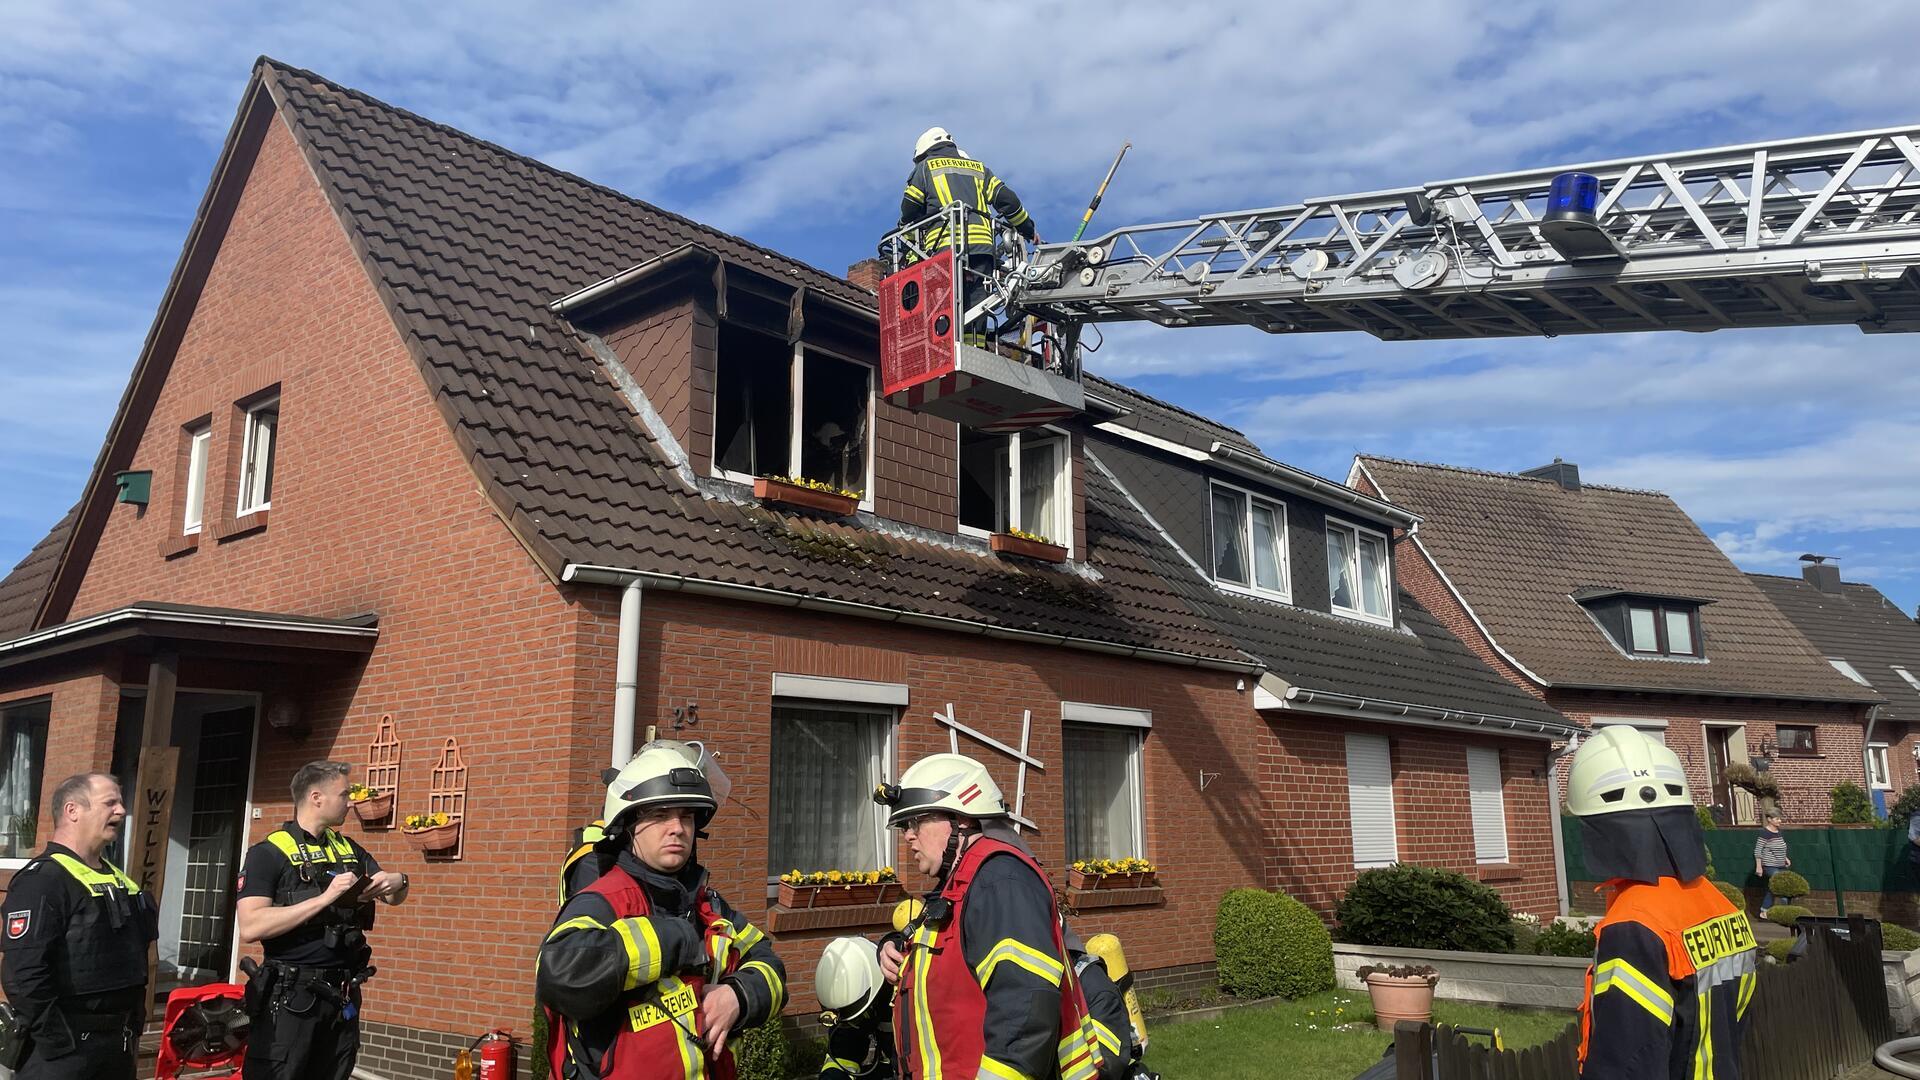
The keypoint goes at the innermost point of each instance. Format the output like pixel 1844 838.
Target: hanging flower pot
pixel 806 494
pixel 1403 992
pixel 374 807
pixel 431 832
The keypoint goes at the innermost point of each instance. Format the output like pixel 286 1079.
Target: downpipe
pixel 626 675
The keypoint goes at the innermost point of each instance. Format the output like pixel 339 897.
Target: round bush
pixel 1733 894
pixel 764 1053
pixel 1560 939
pixel 1903 807
pixel 1269 943
pixel 1418 907
pixel 1788 885
pixel 1778 948
pixel 1898 938
pixel 1851 805
pixel 1786 914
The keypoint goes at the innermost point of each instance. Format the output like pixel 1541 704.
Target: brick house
pixel 449 461
pixel 1865 637
pixel 1612 606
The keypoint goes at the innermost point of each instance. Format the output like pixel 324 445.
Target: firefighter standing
pixel 983 989
pixel 306 894
pixel 1673 971
pixel 943 176
pixel 856 1008
pixel 647 972
pixel 77 931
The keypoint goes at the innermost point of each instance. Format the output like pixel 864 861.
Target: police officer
pixel 1004 1004
pixel 75 947
pixel 943 176
pixel 648 973
pixel 305 894
pixel 1673 970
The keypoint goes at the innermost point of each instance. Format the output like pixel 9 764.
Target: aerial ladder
pixel 1816 231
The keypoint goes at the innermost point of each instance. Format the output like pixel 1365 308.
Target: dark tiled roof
pixel 1418 664
pixel 468 243
pixel 23 589
pixel 1862 627
pixel 1164 420
pixel 1518 547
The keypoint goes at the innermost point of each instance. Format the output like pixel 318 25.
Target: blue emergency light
pixel 1573 195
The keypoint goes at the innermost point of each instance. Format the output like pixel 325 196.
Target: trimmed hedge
pixel 1786 914
pixel 1733 894
pixel 1851 805
pixel 1778 947
pixel 1419 907
pixel 1559 939
pixel 1898 938
pixel 1268 943
pixel 766 1053
pixel 1788 885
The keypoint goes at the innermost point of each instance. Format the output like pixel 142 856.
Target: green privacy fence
pixel 1831 858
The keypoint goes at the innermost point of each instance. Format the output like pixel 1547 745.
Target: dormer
pixel 1647 625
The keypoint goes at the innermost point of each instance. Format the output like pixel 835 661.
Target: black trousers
pixel 96 1055
pixel 303 1036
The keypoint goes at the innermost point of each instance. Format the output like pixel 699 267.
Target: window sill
pixel 1499 871
pixel 175 546
pixel 246 525
pixel 1091 899
pixel 1799 756
pixel 1362 617
pixel 783 919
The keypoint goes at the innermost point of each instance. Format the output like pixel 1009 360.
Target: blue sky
pixel 792 123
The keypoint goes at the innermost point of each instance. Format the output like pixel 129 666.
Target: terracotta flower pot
pixel 436 838
pixel 817 896
pixel 769 490
pixel 374 807
pixel 1009 544
pixel 1083 879
pixel 1396 999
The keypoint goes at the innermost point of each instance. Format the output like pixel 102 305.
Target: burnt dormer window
pixel 1643 625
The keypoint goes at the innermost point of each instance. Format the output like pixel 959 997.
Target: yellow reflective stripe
pixel 923 1043
pixel 643 951
pixel 942 189
pixel 774 985
pixel 993 187
pixel 1703 1053
pixel 92 879
pixel 990 1067
pixel 1617 974
pixel 845 1066
pixel 915 193
pixel 693 1059
pixel 581 923
pixel 1018 219
pixel 1746 996
pixel 1105 1036
pixel 1076 1055
pixel 1007 949
pixel 748 936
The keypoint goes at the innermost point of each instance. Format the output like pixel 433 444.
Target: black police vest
pixel 310 866
pixel 108 932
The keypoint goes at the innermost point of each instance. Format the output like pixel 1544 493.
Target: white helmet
pixel 943 783
pixel 1622 768
pixel 929 139
pixel 848 978
pixel 667 772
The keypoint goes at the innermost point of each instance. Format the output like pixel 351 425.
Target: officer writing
pixel 305 894
pixel 75 944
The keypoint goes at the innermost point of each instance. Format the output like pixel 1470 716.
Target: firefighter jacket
pixel 1672 976
pixel 942 180
pixel 986 992
pixel 75 947
pixel 1107 1012
pixel 623 971
pixel 862 1048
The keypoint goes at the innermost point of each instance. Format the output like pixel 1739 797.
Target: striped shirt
pixel 1770 849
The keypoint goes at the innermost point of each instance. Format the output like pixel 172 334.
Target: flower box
pixel 1086 879
pixel 769 490
pixel 374 808
pixel 818 896
pixel 1009 544
pixel 434 838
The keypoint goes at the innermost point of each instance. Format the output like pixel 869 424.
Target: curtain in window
pixel 23 744
pixel 823 815
pixel 1040 488
pixel 1268 573
pixel 1373 576
pixel 1229 549
pixel 1100 792
pixel 1340 567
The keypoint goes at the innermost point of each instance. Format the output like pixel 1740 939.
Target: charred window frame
pixel 791 410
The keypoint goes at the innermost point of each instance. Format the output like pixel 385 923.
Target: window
pixel 1877 771
pixel 1249 541
pixel 1357 571
pixel 200 440
pixel 1847 669
pixel 1909 676
pixel 757 431
pixel 823 816
pixel 1795 740
pixel 257 452
pixel 990 500
pixel 23 751
pixel 1489 805
pixel 1103 792
pixel 1662 630
pixel 1370 801
pixel 1652 727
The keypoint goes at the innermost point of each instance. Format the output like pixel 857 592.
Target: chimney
pixel 1820 573
pixel 866 274
pixel 1564 473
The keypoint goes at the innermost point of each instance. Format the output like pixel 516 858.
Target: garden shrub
pixel 1778 948
pixel 539 1066
pixel 1903 807
pixel 1733 894
pixel 1705 816
pixel 765 1053
pixel 1419 907
pixel 1788 885
pixel 1560 939
pixel 1268 943
pixel 1787 914
pixel 1898 938
pixel 1851 805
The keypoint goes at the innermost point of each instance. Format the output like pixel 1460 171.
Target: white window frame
pixel 1140 722
pixel 1386 571
pixel 1010 488
pixel 1878 762
pixel 1909 677
pixel 39 801
pixel 248 467
pixel 1488 848
pixel 810 693
pixel 193 512
pixel 1647 725
pixel 796 397
pixel 1840 665
pixel 1284 593
pixel 1384 745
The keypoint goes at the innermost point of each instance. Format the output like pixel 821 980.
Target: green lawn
pixel 1301 1039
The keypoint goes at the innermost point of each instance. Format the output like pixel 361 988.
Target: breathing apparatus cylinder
pixel 1107 948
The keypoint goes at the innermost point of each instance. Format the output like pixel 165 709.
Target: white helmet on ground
pixel 848 978
pixel 942 783
pixel 667 772
pixel 1622 768
pixel 930 138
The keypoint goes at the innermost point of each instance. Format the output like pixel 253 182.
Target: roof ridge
pixel 467 136
pixel 1474 471
pixel 1165 404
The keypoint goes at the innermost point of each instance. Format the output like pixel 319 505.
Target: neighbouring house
pixel 1612 606
pixel 1869 640
pixel 443 462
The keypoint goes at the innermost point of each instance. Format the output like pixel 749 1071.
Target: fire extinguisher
pixel 496 1057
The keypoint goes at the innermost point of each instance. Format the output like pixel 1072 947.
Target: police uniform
pixel 623 970
pixel 305 1002
pixel 75 965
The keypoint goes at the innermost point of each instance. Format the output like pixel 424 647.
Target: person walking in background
pixel 1770 857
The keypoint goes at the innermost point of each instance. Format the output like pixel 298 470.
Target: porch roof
pixel 184 623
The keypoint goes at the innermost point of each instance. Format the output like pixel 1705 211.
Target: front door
pixel 215 735
pixel 1719 756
